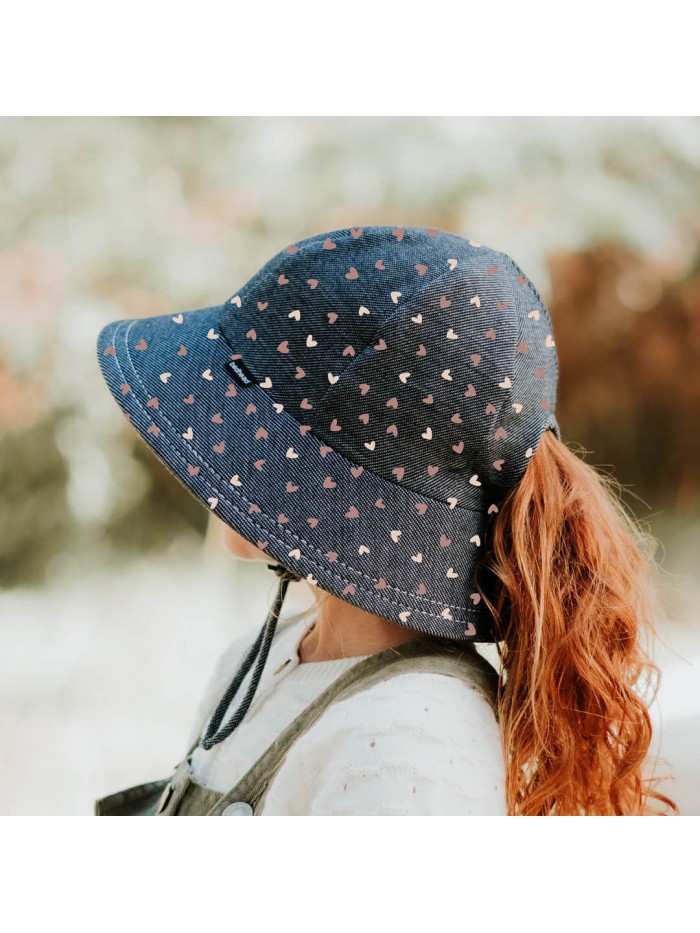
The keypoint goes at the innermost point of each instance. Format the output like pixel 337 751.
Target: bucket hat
pixel 357 409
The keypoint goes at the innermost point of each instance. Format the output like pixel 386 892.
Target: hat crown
pixel 421 356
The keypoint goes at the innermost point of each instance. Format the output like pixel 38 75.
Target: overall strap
pixel 418 655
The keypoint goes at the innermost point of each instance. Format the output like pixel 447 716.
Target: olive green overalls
pixel 181 795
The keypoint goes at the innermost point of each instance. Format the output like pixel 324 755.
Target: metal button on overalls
pixel 239 808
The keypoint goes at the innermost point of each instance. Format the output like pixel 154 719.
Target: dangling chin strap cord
pixel 260 650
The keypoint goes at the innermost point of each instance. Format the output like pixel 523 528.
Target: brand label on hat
pixel 240 373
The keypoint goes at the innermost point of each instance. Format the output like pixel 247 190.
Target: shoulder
pixel 414 692
pixel 422 703
pixel 413 711
pixel 415 743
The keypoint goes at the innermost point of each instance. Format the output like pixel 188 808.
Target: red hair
pixel 567 577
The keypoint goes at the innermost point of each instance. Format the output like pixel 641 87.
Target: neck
pixel 342 630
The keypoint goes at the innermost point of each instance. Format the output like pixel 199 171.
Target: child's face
pixel 241 547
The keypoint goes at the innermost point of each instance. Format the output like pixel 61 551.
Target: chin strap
pixel 260 650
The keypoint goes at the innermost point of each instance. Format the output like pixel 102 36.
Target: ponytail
pixel 567 577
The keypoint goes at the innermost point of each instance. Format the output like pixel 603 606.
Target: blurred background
pixel 116 595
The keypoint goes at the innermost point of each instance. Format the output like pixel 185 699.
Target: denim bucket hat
pixel 357 410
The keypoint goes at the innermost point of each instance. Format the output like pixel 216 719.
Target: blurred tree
pixel 629 359
pixel 37 524
pixel 34 516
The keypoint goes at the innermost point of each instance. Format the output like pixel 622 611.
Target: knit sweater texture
pixel 416 744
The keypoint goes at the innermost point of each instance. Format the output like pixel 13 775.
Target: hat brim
pixel 252 464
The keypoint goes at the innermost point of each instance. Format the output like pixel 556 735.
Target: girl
pixel 373 412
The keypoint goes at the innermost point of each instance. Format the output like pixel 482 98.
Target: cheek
pixel 232 541
pixel 238 545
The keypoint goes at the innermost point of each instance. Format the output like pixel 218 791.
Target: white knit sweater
pixel 416 744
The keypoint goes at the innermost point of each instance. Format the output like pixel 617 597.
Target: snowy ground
pixel 100 678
